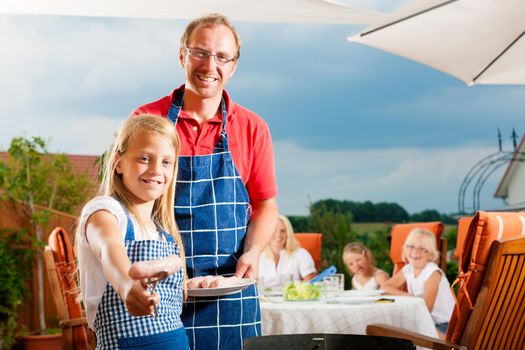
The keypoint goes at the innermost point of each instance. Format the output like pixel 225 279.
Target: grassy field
pixel 367 227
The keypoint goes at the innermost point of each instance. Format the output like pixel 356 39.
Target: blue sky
pixel 348 121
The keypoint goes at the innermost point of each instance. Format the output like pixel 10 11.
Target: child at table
pixel 131 222
pixel 359 261
pixel 424 278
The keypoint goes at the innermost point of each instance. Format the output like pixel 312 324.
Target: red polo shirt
pixel 248 137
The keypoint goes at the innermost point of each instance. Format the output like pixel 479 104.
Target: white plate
pixel 352 300
pixel 272 299
pixel 301 300
pixel 272 292
pixel 362 293
pixel 213 292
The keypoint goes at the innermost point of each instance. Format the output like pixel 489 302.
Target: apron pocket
pixel 176 339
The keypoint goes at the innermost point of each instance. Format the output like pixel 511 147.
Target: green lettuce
pixel 298 290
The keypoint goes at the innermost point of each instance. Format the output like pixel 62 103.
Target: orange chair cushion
pixel 399 234
pixel 312 242
pixel 463 224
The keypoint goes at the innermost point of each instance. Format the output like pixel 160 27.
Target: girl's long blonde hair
pixel 112 184
pixel 359 248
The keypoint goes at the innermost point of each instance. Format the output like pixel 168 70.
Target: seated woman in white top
pixel 359 261
pixel 284 260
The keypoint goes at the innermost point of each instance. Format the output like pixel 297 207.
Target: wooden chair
pixel 312 242
pixel 498 318
pixel 485 228
pixel 326 342
pixel 60 265
pixel 399 233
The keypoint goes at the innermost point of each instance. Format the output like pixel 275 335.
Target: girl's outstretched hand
pixel 160 268
pixel 138 299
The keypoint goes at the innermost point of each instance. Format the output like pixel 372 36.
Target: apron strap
pixel 224 136
pixel 176 108
pixel 168 237
pixel 130 233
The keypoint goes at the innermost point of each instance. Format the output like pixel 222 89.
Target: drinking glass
pixel 334 285
pixel 338 282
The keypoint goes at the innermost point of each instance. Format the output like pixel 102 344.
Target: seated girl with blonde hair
pixel 424 278
pixel 360 263
pixel 284 260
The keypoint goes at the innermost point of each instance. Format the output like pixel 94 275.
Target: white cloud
pixel 55 61
pixel 414 178
pixel 90 135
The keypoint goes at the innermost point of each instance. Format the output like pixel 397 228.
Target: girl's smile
pixel 417 255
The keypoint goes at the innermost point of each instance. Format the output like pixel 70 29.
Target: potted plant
pixel 51 339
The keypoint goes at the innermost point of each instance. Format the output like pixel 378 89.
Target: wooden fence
pixel 13 216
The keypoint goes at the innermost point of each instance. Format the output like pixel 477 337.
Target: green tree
pixel 390 212
pixel 300 223
pixel 36 177
pixel 336 228
pixel 366 211
pixel 426 216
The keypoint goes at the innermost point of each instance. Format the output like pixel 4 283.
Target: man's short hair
pixel 210 20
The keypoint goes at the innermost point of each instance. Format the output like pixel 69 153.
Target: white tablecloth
pixel 280 317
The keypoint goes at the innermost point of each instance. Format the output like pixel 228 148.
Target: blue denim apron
pixel 115 328
pixel 212 213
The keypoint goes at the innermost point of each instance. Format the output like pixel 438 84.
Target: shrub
pixel 15 256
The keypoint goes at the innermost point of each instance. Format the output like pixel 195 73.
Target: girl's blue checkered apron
pixel 117 329
pixel 212 213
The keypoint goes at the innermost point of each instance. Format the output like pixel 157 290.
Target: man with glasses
pixel 225 203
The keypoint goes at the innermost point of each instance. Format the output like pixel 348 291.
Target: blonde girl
pixel 424 278
pixel 359 261
pixel 284 260
pixel 131 221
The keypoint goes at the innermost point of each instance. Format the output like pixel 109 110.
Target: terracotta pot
pixel 42 342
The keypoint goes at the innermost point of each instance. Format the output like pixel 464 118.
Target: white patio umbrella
pixel 477 41
pixel 274 11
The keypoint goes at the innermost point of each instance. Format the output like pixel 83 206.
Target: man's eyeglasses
pixel 200 54
pixel 417 249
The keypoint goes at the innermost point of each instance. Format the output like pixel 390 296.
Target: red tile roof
pixel 81 163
